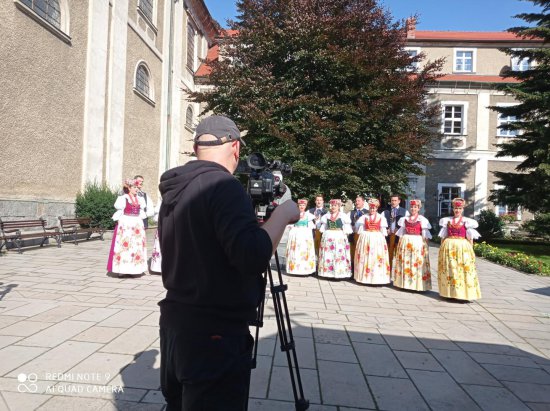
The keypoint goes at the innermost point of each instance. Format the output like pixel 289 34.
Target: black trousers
pixel 204 373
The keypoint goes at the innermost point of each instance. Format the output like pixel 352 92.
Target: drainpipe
pixel 169 94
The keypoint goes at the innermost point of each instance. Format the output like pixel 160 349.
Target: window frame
pixel 148 97
pixel 440 203
pixel 63 31
pixel 415 66
pixel 455 59
pixel 152 21
pixel 189 124
pixel 191 67
pixel 500 121
pixel 504 207
pixel 464 118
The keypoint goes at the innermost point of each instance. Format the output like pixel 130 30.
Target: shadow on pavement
pixel 352 367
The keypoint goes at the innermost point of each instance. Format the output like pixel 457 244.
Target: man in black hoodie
pixel 213 255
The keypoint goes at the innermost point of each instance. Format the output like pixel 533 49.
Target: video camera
pixel 265 182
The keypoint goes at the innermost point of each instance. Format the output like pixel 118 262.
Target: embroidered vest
pixel 334 225
pixel 456 230
pixel 131 209
pixel 413 228
pixel 301 223
pixel 372 226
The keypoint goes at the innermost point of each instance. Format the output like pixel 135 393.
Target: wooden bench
pixel 73 226
pixel 14 232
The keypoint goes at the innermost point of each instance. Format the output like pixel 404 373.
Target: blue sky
pixel 464 15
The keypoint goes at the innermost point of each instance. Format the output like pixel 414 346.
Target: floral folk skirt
pixel 411 264
pixel 334 257
pixel 456 270
pixel 128 253
pixel 372 262
pixel 300 252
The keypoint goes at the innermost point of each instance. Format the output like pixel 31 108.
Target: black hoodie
pixel 213 251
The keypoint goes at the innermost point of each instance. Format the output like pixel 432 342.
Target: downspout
pixel 169 94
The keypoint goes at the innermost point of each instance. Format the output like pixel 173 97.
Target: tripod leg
pixel 258 324
pixel 288 345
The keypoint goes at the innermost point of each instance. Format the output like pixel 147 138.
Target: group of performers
pixel 381 248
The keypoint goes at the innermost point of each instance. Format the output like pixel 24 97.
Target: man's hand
pixel 290 211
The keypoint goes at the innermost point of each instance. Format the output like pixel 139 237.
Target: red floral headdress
pixel 458 202
pixel 373 202
pixel 302 201
pixel 416 202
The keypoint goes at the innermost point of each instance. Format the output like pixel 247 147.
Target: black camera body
pixel 265 182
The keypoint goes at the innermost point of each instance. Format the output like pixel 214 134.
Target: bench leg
pixel 101 235
pixel 89 235
pixel 43 241
pixel 74 238
pixel 17 242
pixel 58 239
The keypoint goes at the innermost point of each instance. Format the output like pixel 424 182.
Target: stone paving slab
pixel 92 341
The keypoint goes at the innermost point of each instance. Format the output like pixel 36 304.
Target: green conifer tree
pixel 529 186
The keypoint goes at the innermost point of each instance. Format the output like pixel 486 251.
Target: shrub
pixel 490 225
pixel 519 261
pixel 97 201
pixel 540 226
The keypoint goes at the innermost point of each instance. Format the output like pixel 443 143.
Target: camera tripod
pixel 285 333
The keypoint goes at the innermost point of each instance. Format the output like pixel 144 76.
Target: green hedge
pixel 519 261
pixel 97 201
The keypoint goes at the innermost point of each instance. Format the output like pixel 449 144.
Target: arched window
pixel 49 10
pixel 142 80
pixel 189 117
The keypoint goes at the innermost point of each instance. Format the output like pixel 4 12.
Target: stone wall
pixel 21 209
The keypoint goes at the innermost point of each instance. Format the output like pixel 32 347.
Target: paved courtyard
pixel 72 338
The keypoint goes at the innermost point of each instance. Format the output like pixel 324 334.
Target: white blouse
pixel 360 223
pixel 120 205
pixel 469 223
pixel 346 222
pixel 424 223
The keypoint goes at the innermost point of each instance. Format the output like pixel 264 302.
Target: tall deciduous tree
pixel 530 185
pixel 327 86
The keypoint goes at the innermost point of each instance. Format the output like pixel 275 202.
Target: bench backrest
pixel 74 221
pixel 22 224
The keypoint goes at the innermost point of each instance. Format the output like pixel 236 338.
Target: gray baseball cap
pixel 224 129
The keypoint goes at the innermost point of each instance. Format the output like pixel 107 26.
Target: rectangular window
pixel 504 210
pixel 146 7
pixel 453 119
pixel 447 192
pixel 190 48
pixel 503 120
pixel 412 52
pixel 520 64
pixel 464 61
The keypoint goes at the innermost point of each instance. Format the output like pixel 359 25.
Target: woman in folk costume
pixel 411 264
pixel 334 256
pixel 372 262
pixel 128 254
pixel 456 268
pixel 156 256
pixel 300 252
